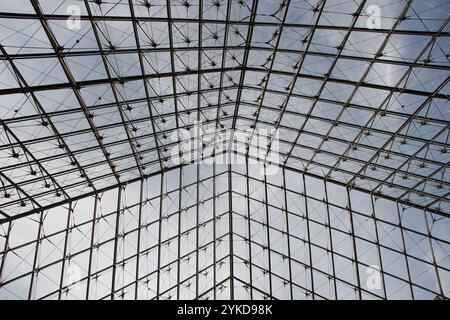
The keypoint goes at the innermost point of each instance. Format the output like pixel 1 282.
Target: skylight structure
pixel 224 149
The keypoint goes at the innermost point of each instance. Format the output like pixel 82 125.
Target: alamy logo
pixel 73 277
pixel 74 21
pixel 209 145
pixel 373 17
pixel 373 281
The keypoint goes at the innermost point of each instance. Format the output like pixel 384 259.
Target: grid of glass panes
pixel 165 237
pixel 298 237
pixel 292 236
pixel 86 121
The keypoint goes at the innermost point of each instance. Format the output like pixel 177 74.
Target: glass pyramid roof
pixel 94 99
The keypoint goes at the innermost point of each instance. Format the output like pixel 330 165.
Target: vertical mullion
pixel 36 254
pixel 309 237
pixel 116 240
pixel 180 198
pixel 328 226
pixel 268 233
pixel 91 249
pixel 352 234
pixel 230 226
pixel 69 213
pixel 158 272
pixel 287 234
pixel 404 250
pixel 197 228
pixel 249 230
pixel 438 278
pixel 138 249
pixel 380 260
pixel 5 251
pixel 214 231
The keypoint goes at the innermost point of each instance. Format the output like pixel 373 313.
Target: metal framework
pixel 93 204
